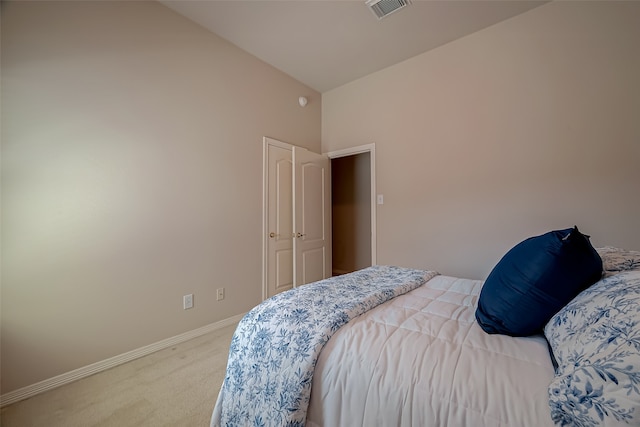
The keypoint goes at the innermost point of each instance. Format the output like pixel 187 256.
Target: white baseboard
pixel 94 368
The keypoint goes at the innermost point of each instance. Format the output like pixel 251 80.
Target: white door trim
pixel 367 148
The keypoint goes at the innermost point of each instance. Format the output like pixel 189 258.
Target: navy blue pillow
pixel 534 280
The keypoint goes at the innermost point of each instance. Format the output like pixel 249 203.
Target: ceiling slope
pixel 325 44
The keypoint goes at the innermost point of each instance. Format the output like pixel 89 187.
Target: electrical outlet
pixel 187 301
pixel 220 294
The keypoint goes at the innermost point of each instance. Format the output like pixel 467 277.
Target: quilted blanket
pixel 276 345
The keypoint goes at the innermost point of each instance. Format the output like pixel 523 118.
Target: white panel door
pixel 311 217
pixel 279 269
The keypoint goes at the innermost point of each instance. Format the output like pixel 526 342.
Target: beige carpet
pixel 177 386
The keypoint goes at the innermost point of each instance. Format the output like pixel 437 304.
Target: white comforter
pixel 422 360
pixel 276 345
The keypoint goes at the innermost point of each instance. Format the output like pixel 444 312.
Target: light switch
pixel 380 199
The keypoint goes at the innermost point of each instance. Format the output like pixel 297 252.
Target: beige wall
pixel 526 126
pixel 131 176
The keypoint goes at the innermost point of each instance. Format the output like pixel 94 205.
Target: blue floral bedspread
pixel 276 345
pixel 596 342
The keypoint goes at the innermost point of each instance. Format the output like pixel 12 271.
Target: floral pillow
pixel 615 260
pixel 595 340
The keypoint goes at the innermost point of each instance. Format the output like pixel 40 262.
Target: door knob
pixel 272 234
pixel 300 235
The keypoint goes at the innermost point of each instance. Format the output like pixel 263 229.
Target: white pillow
pixel 615 260
pixel 595 340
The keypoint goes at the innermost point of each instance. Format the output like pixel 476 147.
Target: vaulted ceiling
pixel 327 43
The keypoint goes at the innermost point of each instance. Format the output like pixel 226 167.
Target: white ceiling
pixel 327 43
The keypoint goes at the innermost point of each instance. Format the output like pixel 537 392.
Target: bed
pixel 422 360
pixel 410 352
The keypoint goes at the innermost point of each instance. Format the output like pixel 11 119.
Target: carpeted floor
pixel 177 386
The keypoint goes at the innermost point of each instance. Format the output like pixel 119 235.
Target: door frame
pixel 371 149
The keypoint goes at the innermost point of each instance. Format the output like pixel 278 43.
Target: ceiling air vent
pixel 382 8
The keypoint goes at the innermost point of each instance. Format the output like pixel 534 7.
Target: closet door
pixel 279 219
pixel 311 216
pixel 296 217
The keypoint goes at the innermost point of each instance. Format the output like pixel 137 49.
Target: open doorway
pixel 353 209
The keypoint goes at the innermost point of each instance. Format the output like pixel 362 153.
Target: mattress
pixel 421 359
